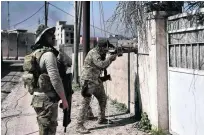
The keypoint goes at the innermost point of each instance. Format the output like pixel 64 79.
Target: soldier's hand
pixel 65 104
pixel 113 57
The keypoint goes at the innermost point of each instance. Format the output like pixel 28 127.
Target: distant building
pixel 64 33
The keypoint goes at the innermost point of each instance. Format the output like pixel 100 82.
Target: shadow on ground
pixel 6 68
pixel 117 122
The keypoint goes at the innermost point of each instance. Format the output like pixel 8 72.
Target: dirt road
pixel 18 117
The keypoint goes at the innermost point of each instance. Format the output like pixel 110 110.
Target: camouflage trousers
pixel 47 113
pixel 99 92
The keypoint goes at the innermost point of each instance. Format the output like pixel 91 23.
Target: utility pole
pixel 8 17
pixel 8 29
pixel 46 13
pixel 75 45
pixel 79 24
pixel 86 28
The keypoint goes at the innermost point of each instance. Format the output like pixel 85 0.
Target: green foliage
pixel 157 132
pixel 120 106
pixel 144 124
pixel 75 87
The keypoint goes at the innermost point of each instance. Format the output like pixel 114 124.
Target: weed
pixel 75 87
pixel 156 131
pixel 119 106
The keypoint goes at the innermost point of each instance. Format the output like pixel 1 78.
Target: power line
pixel 35 23
pixel 28 17
pixel 103 17
pixel 99 5
pixel 60 9
pixel 93 18
pixel 73 16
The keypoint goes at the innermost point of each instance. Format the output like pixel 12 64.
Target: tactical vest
pixel 34 79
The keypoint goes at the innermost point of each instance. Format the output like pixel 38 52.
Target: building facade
pixel 64 33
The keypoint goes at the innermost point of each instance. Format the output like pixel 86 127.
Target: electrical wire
pixel 93 18
pixel 100 16
pixel 103 17
pixel 61 9
pixel 28 17
pixel 35 23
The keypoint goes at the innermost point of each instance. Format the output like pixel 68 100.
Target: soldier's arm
pixel 52 70
pixel 101 63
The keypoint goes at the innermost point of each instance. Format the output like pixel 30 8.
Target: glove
pixel 113 57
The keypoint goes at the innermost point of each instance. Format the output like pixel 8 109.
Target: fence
pixel 185 74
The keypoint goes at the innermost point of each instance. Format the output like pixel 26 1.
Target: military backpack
pixel 32 73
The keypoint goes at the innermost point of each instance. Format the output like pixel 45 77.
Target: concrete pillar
pixel 157 42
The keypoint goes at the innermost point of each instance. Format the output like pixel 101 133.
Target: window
pixel 72 41
pixel 67 41
pixel 67 34
pixel 72 35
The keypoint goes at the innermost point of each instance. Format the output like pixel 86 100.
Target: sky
pixel 20 10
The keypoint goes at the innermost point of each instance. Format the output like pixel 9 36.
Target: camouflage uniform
pixel 47 112
pixel 92 68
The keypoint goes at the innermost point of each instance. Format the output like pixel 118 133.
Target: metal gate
pixel 185 75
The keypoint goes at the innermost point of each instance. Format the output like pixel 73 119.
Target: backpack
pixel 32 70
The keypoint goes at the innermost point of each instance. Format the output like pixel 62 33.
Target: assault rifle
pixel 122 46
pixel 67 83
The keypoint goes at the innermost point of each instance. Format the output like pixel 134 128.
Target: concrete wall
pixel 122 86
pixel 12 45
pixel 186 101
pixel 9 45
pixel 16 45
pixel 25 40
pixel 4 44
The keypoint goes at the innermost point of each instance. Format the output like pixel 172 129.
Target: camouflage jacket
pixel 93 66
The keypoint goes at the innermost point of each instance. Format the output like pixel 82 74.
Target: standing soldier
pixel 91 83
pixel 50 88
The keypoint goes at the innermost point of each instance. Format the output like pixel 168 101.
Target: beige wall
pixel 122 82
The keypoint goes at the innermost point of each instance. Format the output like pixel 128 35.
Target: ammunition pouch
pixel 84 90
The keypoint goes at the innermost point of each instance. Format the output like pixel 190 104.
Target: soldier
pixel 45 99
pixel 91 83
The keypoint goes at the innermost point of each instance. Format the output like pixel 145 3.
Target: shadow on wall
pixel 138 99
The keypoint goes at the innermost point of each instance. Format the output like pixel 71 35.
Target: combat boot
pixel 81 129
pixel 105 121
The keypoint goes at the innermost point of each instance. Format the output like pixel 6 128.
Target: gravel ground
pixel 18 117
